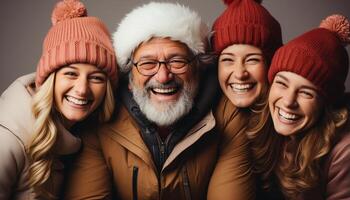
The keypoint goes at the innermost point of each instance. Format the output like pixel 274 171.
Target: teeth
pixel 241 87
pixel 77 101
pixel 164 90
pixel 286 115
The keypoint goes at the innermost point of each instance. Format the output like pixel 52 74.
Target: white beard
pixel 164 113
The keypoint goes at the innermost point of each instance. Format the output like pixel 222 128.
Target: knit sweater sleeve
pixel 338 178
pixel 232 177
pixel 12 164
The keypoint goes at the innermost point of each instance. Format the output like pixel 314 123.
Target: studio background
pixel 24 24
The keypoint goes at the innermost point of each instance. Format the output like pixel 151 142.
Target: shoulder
pixel 15 105
pixel 12 150
pixel 338 158
pixel 338 169
pixel 341 149
pixel 20 84
pixel 229 117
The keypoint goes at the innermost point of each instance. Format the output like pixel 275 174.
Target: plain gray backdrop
pixel 24 24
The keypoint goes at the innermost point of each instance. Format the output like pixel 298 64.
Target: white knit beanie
pixel 159 19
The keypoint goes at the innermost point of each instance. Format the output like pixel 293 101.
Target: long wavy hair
pixel 45 133
pixel 264 145
pixel 300 170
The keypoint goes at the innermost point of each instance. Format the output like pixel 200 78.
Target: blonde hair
pixel 45 133
pixel 302 170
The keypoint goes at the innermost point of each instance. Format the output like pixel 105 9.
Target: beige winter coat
pixel 16 129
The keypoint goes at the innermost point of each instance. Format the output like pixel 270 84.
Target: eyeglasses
pixel 149 67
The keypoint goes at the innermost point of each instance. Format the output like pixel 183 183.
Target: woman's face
pixel 79 90
pixel 242 74
pixel 294 103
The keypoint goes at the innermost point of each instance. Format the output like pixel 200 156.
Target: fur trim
pixel 157 19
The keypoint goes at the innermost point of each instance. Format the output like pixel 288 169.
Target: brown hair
pixel 265 145
pixel 300 170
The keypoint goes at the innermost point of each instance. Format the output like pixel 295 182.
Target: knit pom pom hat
pixel 158 19
pixel 247 22
pixel 319 56
pixel 75 38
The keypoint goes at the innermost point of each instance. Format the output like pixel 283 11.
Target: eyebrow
pixel 171 55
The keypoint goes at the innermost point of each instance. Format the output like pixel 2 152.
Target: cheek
pixel 273 94
pixel 259 73
pixel 99 92
pixel 138 79
pixel 224 73
pixel 313 111
pixel 59 89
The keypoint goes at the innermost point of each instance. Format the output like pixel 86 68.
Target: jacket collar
pixel 16 110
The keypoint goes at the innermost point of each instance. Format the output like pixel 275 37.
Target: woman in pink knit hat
pixel 72 88
pixel 245 37
pixel 310 113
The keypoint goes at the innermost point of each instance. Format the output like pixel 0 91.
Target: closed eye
pixel 98 78
pixel 307 94
pixel 280 83
pixel 70 74
pixel 226 59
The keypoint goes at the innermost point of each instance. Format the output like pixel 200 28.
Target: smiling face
pixel 242 74
pixel 163 97
pixel 79 90
pixel 294 103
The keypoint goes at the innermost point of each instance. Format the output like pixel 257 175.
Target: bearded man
pixel 163 142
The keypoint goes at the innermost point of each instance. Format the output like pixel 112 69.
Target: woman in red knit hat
pixel 39 112
pixel 245 36
pixel 310 113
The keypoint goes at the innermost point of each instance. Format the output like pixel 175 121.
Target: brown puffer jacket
pixel 213 155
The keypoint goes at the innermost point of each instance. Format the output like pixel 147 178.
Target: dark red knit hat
pixel 319 56
pixel 247 22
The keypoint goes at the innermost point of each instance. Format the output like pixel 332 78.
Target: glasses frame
pixel 166 63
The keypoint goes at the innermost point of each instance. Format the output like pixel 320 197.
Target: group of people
pixel 167 108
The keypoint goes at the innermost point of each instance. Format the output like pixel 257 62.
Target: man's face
pixel 163 97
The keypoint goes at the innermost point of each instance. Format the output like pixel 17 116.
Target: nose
pixel 81 86
pixel 163 75
pixel 290 99
pixel 240 72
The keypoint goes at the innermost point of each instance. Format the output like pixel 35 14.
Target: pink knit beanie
pixel 247 22
pixel 75 38
pixel 319 56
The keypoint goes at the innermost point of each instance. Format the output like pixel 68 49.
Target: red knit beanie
pixel 75 38
pixel 319 56
pixel 247 22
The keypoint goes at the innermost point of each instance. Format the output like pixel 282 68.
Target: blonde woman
pixel 72 87
pixel 310 113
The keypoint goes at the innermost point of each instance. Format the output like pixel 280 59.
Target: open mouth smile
pixel 288 117
pixel 242 87
pixel 76 101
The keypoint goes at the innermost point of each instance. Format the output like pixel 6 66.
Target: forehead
pixel 239 49
pixel 161 47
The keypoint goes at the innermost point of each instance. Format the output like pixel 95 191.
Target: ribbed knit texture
pixel 247 22
pixel 77 40
pixel 318 56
